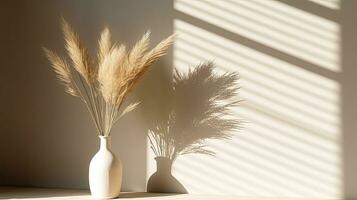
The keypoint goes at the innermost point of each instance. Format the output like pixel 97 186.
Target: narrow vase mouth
pixel 103 136
pixel 162 158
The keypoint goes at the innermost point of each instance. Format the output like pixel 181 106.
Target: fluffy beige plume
pixel 108 73
pixel 132 68
pixel 135 74
pixel 138 51
pixel 128 109
pixel 104 86
pixel 77 52
pixel 105 44
pixel 160 50
pixel 62 71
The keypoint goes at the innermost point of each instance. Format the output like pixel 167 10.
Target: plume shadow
pixel 198 109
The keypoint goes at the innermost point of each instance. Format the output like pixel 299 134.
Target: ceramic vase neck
pixel 105 142
pixel 163 165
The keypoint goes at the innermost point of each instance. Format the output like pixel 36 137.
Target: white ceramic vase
pixel 105 172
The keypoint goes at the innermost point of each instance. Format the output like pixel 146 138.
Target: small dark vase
pixel 162 180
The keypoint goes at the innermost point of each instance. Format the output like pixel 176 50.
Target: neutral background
pixel 47 137
pixel 296 60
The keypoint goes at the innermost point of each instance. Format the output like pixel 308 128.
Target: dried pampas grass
pixel 104 83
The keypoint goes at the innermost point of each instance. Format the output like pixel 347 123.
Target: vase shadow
pixel 162 180
pixel 197 108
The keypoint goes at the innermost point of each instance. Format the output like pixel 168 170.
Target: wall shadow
pixel 199 110
pixel 349 96
pixel 253 44
pixel 284 139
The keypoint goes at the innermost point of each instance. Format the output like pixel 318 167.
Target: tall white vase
pixel 105 172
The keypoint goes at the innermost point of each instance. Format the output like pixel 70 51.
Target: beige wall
pixel 297 77
pixel 47 137
pixel 297 82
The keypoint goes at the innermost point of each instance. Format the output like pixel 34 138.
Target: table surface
pixel 28 193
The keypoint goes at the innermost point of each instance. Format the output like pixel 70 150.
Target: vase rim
pixel 162 157
pixel 103 136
